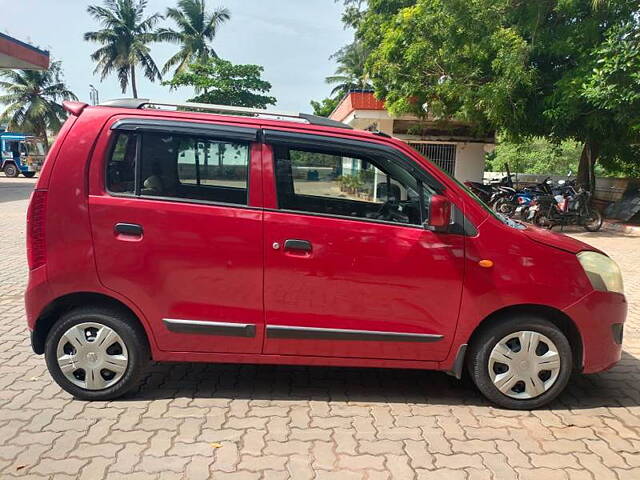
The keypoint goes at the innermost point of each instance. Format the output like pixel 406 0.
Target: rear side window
pixel 121 165
pixel 179 166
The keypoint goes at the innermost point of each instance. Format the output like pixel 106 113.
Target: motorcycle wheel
pixel 542 220
pixel 593 221
pixel 505 207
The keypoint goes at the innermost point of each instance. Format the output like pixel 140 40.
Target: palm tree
pixel 196 28
pixel 125 38
pixel 32 100
pixel 351 73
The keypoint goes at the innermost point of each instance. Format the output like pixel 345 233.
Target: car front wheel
pixel 96 353
pixel 521 364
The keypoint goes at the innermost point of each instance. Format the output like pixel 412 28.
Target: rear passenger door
pixel 177 231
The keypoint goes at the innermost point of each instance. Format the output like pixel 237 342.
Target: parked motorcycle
pixel 569 206
pixel 526 197
pixel 487 193
pixel 498 195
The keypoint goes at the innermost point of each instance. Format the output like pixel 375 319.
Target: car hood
pixel 557 240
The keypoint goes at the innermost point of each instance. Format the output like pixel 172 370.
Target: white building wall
pixel 470 157
pixel 470 161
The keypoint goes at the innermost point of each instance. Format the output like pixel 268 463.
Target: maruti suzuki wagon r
pixel 201 233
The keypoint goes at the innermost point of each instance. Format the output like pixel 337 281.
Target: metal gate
pixel 443 155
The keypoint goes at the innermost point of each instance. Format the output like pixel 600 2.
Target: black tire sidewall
pixel 29 174
pixel 478 361
pixel 137 350
pixel 596 216
pixel 11 168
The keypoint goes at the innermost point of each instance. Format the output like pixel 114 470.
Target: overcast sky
pixel 292 39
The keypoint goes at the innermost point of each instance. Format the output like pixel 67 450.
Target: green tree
pixel 524 68
pixel 125 39
pixel 223 83
pixel 324 107
pixel 196 27
pixel 33 100
pixel 536 155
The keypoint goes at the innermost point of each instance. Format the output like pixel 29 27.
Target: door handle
pixel 299 245
pixel 131 229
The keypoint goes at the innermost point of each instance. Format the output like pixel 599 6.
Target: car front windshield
pixel 35 147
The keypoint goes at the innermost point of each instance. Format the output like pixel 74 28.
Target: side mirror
pixel 439 213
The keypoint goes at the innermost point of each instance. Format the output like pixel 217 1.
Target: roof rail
pixel 140 103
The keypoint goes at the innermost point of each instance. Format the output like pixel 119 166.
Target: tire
pixel 29 174
pixel 520 395
pixel 593 222
pixel 10 170
pixel 129 342
pixel 505 207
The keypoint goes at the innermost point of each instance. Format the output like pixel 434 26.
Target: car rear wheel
pixel 10 170
pixel 521 364
pixel 29 174
pixel 96 353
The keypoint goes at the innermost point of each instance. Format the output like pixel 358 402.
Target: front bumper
pixel 599 317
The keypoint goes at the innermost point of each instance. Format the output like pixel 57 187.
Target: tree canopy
pixel 561 69
pixel 33 99
pixel 535 155
pixel 223 83
pixel 196 27
pixel 125 39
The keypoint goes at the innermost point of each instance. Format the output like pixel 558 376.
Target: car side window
pixel 330 182
pixel 180 166
pixel 121 165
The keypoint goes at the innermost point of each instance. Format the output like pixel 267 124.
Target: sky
pixel 291 39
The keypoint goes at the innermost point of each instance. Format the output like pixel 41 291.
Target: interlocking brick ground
pixel 249 422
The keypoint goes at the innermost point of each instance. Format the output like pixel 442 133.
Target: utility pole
pixel 94 95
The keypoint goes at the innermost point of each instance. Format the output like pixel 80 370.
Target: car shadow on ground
pixel 615 388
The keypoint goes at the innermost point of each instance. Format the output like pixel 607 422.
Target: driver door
pixel 349 269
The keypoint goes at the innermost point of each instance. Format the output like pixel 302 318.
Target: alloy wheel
pixel 92 356
pixel 524 364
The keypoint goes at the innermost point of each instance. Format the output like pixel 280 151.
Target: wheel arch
pixel 560 319
pixel 52 312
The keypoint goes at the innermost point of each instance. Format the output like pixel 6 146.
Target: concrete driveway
pixel 244 422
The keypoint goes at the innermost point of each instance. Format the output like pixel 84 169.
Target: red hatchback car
pixel 245 236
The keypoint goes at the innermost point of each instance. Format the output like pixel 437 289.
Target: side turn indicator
pixel 486 263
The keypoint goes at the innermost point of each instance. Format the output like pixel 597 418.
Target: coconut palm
pixel 125 37
pixel 33 100
pixel 196 27
pixel 351 72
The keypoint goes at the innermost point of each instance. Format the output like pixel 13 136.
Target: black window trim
pixel 345 217
pixel 179 127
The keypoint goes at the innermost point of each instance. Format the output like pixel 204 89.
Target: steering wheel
pixel 390 211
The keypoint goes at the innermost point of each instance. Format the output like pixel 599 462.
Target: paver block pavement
pixel 252 422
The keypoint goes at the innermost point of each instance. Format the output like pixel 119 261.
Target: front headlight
pixel 603 272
